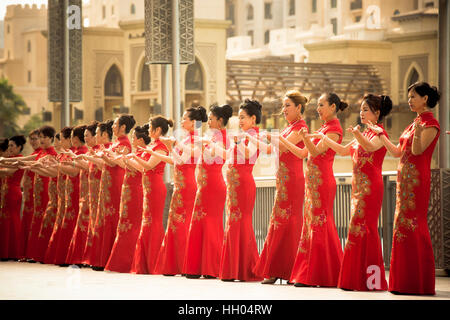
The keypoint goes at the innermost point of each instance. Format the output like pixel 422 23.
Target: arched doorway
pixel 194 85
pixel 113 92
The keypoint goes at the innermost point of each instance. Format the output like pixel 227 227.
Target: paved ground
pixel 26 281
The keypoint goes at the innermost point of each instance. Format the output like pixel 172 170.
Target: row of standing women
pixel 93 202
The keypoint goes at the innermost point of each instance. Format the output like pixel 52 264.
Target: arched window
pixel 291 7
pixel 132 9
pixel 145 78
pixel 113 82
pixel 413 77
pixel 249 12
pixel 194 77
pixel 266 37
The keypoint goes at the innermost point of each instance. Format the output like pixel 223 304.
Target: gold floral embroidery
pixel 38 188
pixel 281 195
pixel 177 201
pixel 50 213
pixel 146 185
pixel 83 215
pixel 27 184
pixel 124 222
pixel 4 190
pixel 69 213
pixel 202 178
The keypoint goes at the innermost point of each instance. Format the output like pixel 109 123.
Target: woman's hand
pixel 378 130
pixel 353 129
pixel 316 135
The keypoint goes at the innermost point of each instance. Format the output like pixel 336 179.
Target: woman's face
pixel 13 149
pixel 57 144
pixel 118 130
pixel 367 115
pixel 89 138
pixel 65 143
pixel 324 109
pixel 46 142
pixel 34 141
pixel 290 110
pixel 154 133
pixel 213 122
pixel 76 142
pixel 416 102
pixel 245 121
pixel 186 123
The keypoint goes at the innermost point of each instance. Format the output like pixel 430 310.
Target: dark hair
pixel 107 127
pixel 57 136
pixel 34 132
pixel 79 132
pixel 47 131
pixel 197 113
pixel 297 98
pixel 92 127
pixel 424 89
pixel 252 108
pixel 333 98
pixel 224 111
pixel 128 121
pixel 379 103
pixel 19 141
pixel 141 132
pixel 4 144
pixel 66 132
pixel 161 122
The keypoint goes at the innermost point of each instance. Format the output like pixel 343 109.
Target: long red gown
pixel 205 237
pixel 35 249
pixel 108 206
pixel 171 256
pixel 362 266
pixel 239 250
pixel 280 247
pixel 152 231
pixel 28 207
pixel 319 256
pixel 10 215
pixel 79 237
pixel 130 218
pixel 94 178
pixel 50 252
pixel 72 207
pixel 412 268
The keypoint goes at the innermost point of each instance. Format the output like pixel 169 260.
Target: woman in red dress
pixel 103 137
pixel 205 238
pixel 278 254
pixel 79 238
pixel 28 198
pixel 184 158
pixel 412 269
pixel 362 266
pixel 72 196
pixel 35 250
pixel 65 145
pixel 151 231
pixel 239 250
pixel 130 215
pixel 110 190
pixel 319 253
pixel 11 201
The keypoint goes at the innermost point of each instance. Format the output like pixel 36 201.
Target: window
pixel 194 77
pixel 314 6
pixel 356 4
pixel 112 10
pixel 291 7
pixel 333 3
pixel 334 23
pixel 413 77
pixel 396 12
pixel 357 18
pixel 230 13
pixel 113 82
pixel 268 10
pixel 416 4
pixel 250 12
pixel 133 9
pixel 104 12
pixel 8 29
pixel 145 78
pixel 250 34
pixel 429 4
pixel 29 46
pixel 29 76
pixel 266 37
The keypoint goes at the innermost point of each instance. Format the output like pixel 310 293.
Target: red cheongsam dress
pixel 280 247
pixel 239 249
pixel 319 256
pixel 171 256
pixel 109 206
pixel 152 231
pixel 28 207
pixel 35 248
pixel 95 174
pixel 205 237
pixel 412 267
pixel 130 218
pixel 362 266
pixel 79 237
pixel 11 201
